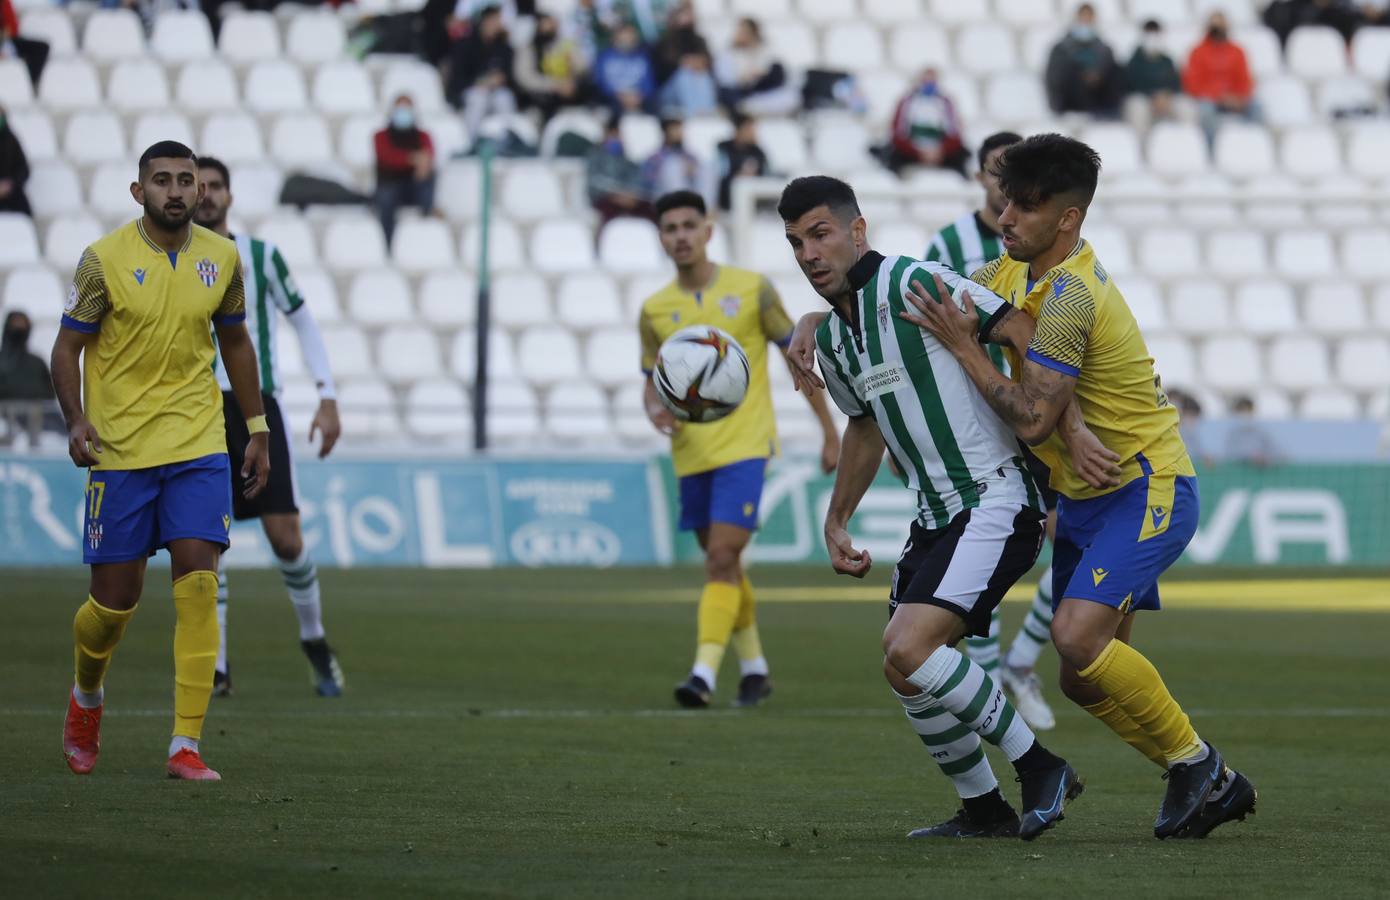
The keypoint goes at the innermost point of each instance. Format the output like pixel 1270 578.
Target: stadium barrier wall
pixel 539 511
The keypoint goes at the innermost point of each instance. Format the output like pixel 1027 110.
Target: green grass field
pixel 511 734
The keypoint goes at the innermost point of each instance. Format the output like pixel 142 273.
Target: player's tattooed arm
pixel 1014 328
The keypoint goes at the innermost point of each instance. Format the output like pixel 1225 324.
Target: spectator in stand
pixel 926 129
pixel 26 390
pixel 624 75
pixel 679 40
pixel 1218 78
pixel 691 91
pixel 31 52
pixel 480 71
pixel 1152 79
pixel 1283 16
pixel 404 166
pixel 14 170
pixel 674 168
pixel 549 70
pixel 750 79
pixel 614 182
pixel 1247 441
pixel 739 157
pixel 650 17
pixel 1082 75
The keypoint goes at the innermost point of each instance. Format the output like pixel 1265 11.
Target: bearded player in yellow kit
pixel 720 465
pixel 146 420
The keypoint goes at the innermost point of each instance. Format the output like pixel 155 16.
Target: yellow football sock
pixel 96 631
pixel 1120 723
pixel 746 641
pixel 1134 684
pixel 719 604
pixel 195 650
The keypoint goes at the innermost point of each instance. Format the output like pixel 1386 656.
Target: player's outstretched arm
pixel 83 441
pixel 660 417
pixel 860 454
pixel 240 361
pixel 801 353
pixel 815 397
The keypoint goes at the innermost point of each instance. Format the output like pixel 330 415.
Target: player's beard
pixel 165 221
pixel 209 217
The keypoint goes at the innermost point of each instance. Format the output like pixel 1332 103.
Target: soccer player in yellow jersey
pixel 145 419
pixel 721 464
pixel 1122 521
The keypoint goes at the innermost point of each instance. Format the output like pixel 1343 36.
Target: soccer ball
pixel 701 374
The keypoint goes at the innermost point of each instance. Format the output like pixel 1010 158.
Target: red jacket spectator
pixel 397 160
pixel 1217 70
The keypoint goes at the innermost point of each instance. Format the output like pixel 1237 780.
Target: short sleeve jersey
pixel 270 292
pixel 745 305
pixel 148 384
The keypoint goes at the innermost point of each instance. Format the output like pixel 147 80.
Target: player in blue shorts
pixel 145 420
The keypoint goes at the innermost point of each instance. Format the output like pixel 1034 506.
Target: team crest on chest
pixel 730 305
pixel 207 271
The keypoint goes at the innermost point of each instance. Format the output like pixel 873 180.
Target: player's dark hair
pixel 804 194
pixel 994 142
pixel 680 200
pixel 1038 168
pixel 166 150
pixel 212 162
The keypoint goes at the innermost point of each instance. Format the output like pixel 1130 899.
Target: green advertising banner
pixel 1282 515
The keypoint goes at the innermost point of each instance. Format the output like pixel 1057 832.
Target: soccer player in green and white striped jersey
pixel 270 293
pixel 965 246
pixel 979 522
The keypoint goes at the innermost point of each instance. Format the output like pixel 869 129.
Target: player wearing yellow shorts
pixel 720 465
pixel 145 418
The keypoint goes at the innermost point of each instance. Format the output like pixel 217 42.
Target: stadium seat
pixel 36 290
pixel 379 297
pixel 233 138
pixel 1285 101
pixel 1366 253
pixel 209 86
pixel 109 193
pixel 53 189
pixel 521 300
pixel 841 144
pixel 181 36
pixel 630 245
pixel 1366 154
pixel 315 37
pixel 1329 403
pixel 1198 307
pixel 1015 97
pixel 985 49
pixel 579 412
pixel 1370 52
pixel 52 25
pixel 1231 253
pixel 1167 12
pixel 289 356
pixel 613 356
pixel 915 44
pixel 301 140
pixel 417 80
pixel 69 84
pixel 532 192
pixel 826 12
pixel 784 142
pixel 1310 152
pixel 793 43
pixel 420 245
pixel 248 37
pixel 1262 51
pixel 1363 363
pixel 1334 308
pixel 342 88
pixel 1112 248
pixel 563 245
pixel 449 299
pixel 1316 51
pixel 767 8
pixel 1265 308
pixel 589 301
pixel 153 127
pixel 770 251
pixel 641 135
pixel 1244 151
pixel 630 420
pixel 93 137
pixel 1230 363
pixel 275 86
pixel 1347 95
pixel 513 414
pixel 67 237
pixel 137 85
pixel 447 131
pixel 852 47
pixel 501 360
pixel 16 89
pixel 703 135
pixel 902 238
pixel 581 122
pixel 292 235
pixel 368 408
pixel 1040 14
pixel 1118 146
pixel 110 35
pixel 353 242
pixel 505 251
pixel 1175 150
pixel 408 353
pixel 954 13
pixel 356 136
pixel 320 294
pixel 639 287
pixel 1145 301
pixel 1380 309
pixel 459 190
pixel 34 129
pixel 1298 363
pixel 438 408
pixel 548 355
pixel 882 89
pixel 1304 253
pixel 893 12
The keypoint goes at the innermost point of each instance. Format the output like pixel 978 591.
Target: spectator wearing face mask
pixel 480 72
pixel 750 79
pixel 1082 75
pixel 26 389
pixel 624 74
pixel 404 166
pixel 548 69
pixel 1218 78
pixel 691 91
pixel 679 40
pixel 1151 76
pixel 926 129
pixel 14 170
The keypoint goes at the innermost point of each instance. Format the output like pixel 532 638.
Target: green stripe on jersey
pixel 264 352
pixel 955 256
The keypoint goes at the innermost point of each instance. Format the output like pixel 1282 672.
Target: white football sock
pixel 1036 631
pixel 221 617
pixel 86 700
pixel 704 673
pixel 302 581
pixel 967 691
pixel 179 742
pixel 953 747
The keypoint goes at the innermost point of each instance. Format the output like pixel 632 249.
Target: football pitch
pixel 512 734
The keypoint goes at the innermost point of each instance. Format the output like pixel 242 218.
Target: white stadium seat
pixel 137 85
pixel 532 193
pixel 356 136
pixel 353 242
pixel 248 37
pixel 1285 101
pixel 46 23
pixel 438 408
pixel 1176 150
pixel 548 355
pixel 53 189
pixel 153 127
pixel 1366 156
pixel 301 140
pixel 1316 51
pixel 1265 308
pixel 275 86
pixel 1380 309
pixel 292 235
pixel 1198 308
pixel 985 49
pixel 69 84
pixel 613 356
pixel 840 143
pixel 1304 253
pixel 1298 363
pixel 420 245
pixel 513 414
pixel 505 249
pixel 447 131
pixel 1145 301
pixel 1310 152
pixel 208 86
pixel 703 135
pixel 916 44
pixel 955 13
pixel 521 300
pixel 893 12
pixel 94 137
pixel 181 36
pixel 1231 363
pixel 902 238
pixel 1035 13
pixel 380 297
pixel 641 135
pixel 1244 151
pixel 232 138
pixel 770 8
pixel 792 42
pixel 1111 248
pixel 630 245
pixel 589 301
pixel 315 37
pixel 1366 253
pixel 826 12
pixel 630 420
pixel 368 408
pixel 16 89
pixel 109 35
pixel 1118 146
pixel 67 237
pixel 770 251
pixel 1363 362
pixel 1334 308
pixel 109 194
pixel 19 245
pixel 463 355
pixel 578 411
pixel 1370 52
pixel 449 298
pixel 562 245
pixel 1262 51
pixel 36 290
pixel 408 353
pixel 343 88
pixel 459 189
pixel 640 287
pixel 1347 95
pixel 852 47
pixel 320 293
pixel 417 80
pixel 34 128
pixel 784 142
pixel 1236 253
pixel 348 349
pixel 1169 252
pixel 1015 97
pixel 1328 403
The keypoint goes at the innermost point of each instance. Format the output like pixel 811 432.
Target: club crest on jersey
pixel 94 534
pixel 730 305
pixel 139 276
pixel 207 271
pixel 71 303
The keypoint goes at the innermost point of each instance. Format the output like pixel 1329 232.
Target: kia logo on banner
pixel 565 542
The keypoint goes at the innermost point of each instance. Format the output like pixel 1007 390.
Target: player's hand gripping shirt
pixel 745 305
pixel 1086 330
pixel 148 385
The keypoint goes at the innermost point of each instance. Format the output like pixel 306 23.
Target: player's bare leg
pixel 720 606
pixel 302 582
pixel 194 573
pixel 113 593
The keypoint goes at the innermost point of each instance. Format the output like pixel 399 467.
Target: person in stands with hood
pixel 404 166
pixel 1082 75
